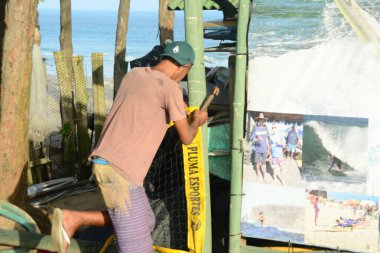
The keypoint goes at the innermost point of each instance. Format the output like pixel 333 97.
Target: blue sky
pixel 108 5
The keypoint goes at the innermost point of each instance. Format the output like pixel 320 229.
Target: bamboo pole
pixel 98 93
pixel 81 99
pixel 197 92
pixel 238 127
pixel 67 111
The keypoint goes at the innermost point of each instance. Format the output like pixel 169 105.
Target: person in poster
pixel 260 146
pixel 292 141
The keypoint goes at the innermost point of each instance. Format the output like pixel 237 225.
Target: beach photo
pixel 342 220
pixel 273 212
pixel 275 149
pixel 335 153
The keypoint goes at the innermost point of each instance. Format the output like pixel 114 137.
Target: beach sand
pixel 362 238
pixel 289 176
pixel 278 216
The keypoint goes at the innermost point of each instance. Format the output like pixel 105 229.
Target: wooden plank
pixel 98 93
pixel 43 242
pixel 277 249
pixel 38 162
pixel 81 101
pixel 65 81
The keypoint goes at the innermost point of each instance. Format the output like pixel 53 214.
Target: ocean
pixel 95 31
pixel 271 233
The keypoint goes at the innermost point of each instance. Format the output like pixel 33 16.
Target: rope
pixel 107 243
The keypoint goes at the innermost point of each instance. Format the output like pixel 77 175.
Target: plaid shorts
pixel 128 206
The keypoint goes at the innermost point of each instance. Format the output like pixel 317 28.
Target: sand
pixel 362 239
pixel 289 175
pixel 278 216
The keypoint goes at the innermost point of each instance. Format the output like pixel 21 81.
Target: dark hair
pixel 170 59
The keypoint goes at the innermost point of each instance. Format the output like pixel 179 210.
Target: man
pixel 260 146
pixel 148 99
pixel 277 144
pixel 292 141
pixel 336 162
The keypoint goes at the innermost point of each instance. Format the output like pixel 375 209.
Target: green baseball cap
pixel 180 51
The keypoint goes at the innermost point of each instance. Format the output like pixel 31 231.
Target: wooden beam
pixel 98 92
pixel 43 242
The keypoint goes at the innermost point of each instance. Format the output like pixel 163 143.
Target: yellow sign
pixel 195 192
pixel 195 195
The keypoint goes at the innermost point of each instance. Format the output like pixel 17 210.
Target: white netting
pixel 40 121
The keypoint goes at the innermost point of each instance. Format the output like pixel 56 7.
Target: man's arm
pixel 188 131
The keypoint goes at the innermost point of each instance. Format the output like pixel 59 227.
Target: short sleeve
pixel 174 103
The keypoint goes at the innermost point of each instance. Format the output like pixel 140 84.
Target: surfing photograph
pixel 266 214
pixel 342 220
pixel 275 148
pixel 335 153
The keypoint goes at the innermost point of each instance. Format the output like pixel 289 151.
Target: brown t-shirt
pixel 145 103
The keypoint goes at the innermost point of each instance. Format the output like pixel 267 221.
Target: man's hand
pixel 199 117
pixel 186 130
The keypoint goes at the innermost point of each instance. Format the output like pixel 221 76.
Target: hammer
pixel 209 99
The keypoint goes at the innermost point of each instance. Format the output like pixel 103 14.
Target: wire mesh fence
pixel 80 94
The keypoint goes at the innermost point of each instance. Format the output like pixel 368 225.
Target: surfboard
pixel 342 229
pixel 337 173
pixel 358 20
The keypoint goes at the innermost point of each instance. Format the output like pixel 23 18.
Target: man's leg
pixel 258 167
pixel 263 164
pixel 134 226
pixel 128 207
pixel 72 220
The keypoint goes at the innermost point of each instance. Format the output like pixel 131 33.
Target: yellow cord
pixel 107 243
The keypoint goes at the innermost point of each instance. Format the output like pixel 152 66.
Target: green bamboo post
pixel 81 99
pixel 65 81
pixel 238 127
pixel 231 82
pixel 98 93
pixel 197 92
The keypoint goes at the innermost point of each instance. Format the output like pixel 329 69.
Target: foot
pixel 70 221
